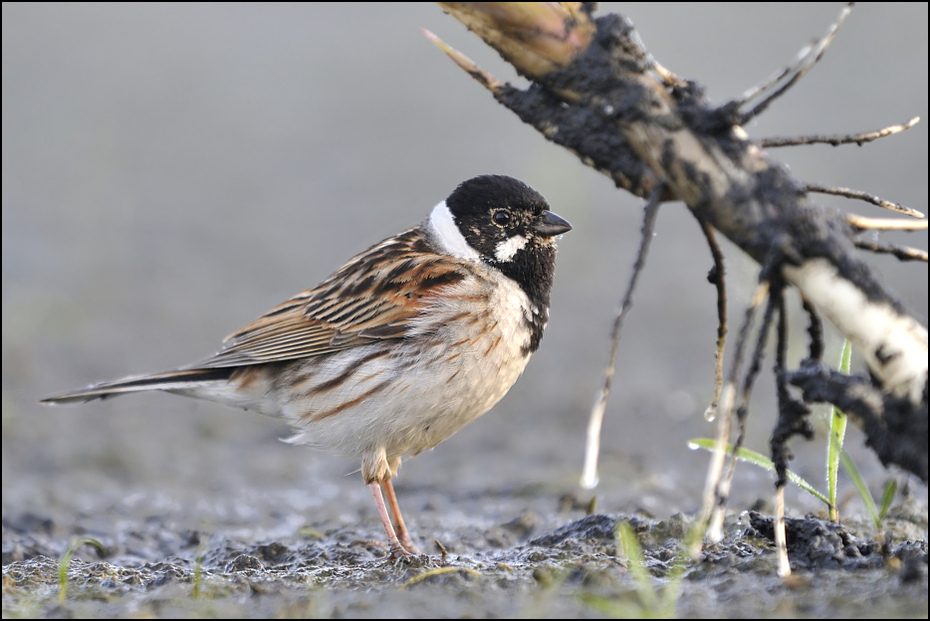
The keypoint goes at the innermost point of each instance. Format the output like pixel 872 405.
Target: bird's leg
pixel 397 549
pixel 402 534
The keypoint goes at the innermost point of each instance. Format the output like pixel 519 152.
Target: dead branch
pixel 837 140
pixel 861 223
pixel 589 473
pixel 716 277
pixel 807 58
pixel 869 198
pixel 598 92
pixel 902 253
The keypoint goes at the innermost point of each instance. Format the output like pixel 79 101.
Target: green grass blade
pixel 890 490
pixel 65 564
pixel 635 562
pixel 850 467
pixel 760 460
pixel 837 438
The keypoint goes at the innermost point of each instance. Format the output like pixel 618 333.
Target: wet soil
pixel 559 563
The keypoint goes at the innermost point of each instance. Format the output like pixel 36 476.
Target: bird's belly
pixel 402 402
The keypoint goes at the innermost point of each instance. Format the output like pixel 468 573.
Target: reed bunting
pixel 401 347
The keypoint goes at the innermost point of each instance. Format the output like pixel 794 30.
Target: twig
pixel 781 541
pixel 904 253
pixel 490 82
pixel 815 331
pixel 724 420
pixel 839 139
pixel 792 413
pixel 589 472
pixel 862 223
pixel 792 420
pixel 723 489
pixel 717 278
pixel 864 196
pixel 807 58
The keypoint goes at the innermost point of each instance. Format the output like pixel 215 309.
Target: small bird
pixel 401 347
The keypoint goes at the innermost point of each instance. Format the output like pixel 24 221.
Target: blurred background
pixel 171 171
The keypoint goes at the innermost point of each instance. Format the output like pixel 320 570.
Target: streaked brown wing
pixel 373 296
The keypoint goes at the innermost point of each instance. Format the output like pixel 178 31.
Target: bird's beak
pixel 551 225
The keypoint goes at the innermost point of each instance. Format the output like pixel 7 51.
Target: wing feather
pixel 376 295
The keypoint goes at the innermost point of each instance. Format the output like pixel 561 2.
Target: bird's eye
pixel 501 217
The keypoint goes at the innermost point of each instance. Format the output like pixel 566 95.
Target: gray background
pixel 172 171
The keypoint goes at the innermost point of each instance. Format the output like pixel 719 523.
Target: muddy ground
pixel 547 560
pixel 171 171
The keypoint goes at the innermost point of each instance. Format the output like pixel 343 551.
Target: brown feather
pixel 372 297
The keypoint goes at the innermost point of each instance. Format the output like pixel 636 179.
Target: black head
pixel 500 217
pixel 508 225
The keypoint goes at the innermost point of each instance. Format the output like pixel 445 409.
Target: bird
pixel 399 348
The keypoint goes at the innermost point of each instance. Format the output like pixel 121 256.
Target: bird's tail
pixel 176 381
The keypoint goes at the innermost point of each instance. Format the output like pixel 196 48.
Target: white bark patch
pixel 893 345
pixel 506 250
pixel 446 234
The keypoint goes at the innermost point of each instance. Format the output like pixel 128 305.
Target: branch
pixel 859 139
pixel 589 473
pixel 865 196
pixel 599 93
